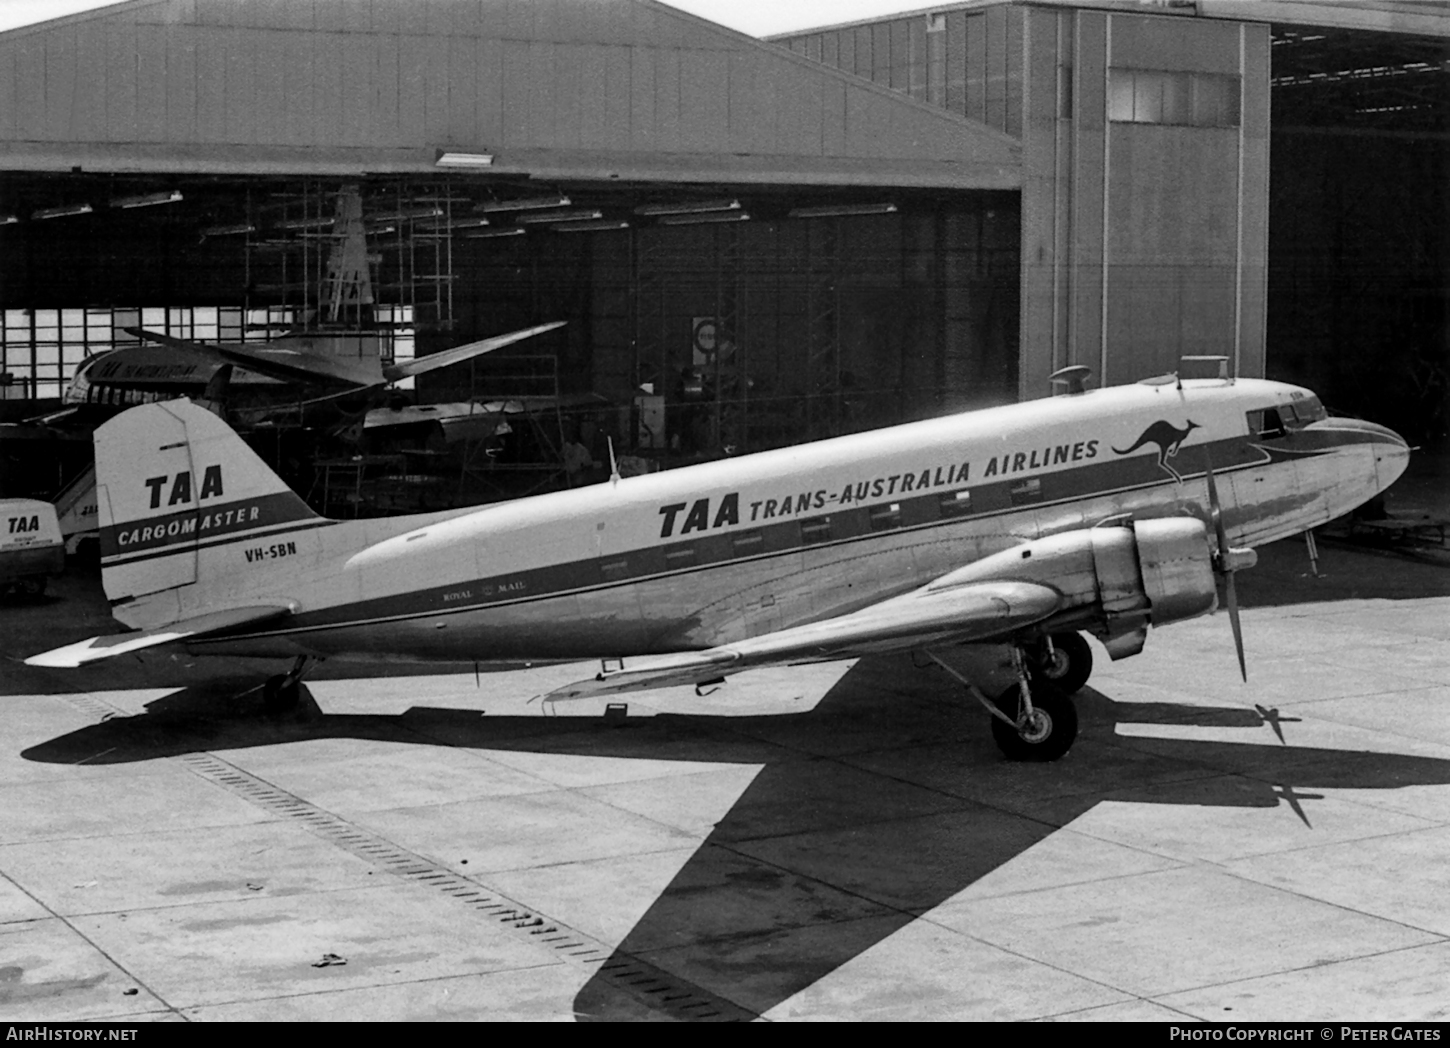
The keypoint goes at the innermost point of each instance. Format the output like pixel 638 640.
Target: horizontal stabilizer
pixel 458 354
pixel 956 615
pixel 82 652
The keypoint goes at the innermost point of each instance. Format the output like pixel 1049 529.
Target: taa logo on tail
pixel 211 484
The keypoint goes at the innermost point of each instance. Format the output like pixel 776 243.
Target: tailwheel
pixel 1062 659
pixel 1044 734
pixel 279 694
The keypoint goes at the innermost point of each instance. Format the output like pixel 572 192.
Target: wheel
pixel 1047 734
pixel 33 586
pixel 278 695
pixel 1068 665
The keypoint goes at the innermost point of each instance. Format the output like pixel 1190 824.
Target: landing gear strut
pixel 1030 721
pixel 1043 732
pixel 280 693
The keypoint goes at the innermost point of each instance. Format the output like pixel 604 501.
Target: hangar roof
pixel 1416 17
pixel 626 89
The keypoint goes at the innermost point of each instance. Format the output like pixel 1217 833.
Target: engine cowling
pixel 1166 562
pixel 1115 580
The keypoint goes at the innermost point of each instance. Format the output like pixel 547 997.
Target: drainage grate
pixel 643 981
pixel 93 707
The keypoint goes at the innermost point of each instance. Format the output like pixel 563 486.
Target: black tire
pixel 1068 666
pixel 278 696
pixel 1053 727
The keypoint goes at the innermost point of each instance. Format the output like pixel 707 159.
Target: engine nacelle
pixel 1162 566
pixel 1114 580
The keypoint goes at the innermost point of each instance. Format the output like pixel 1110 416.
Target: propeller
pixel 1226 561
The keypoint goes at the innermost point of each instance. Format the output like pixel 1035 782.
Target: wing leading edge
pixel 942 615
pixel 278 360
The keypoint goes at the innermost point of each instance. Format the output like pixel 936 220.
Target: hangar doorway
pixel 1359 229
pixel 701 321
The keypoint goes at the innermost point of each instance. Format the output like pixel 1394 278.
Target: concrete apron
pixel 834 842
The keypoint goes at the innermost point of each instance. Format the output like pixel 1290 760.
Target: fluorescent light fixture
pixel 522 205
pixel 561 216
pixel 700 220
pixel 222 231
pixel 408 214
pixel 590 227
pixel 457 223
pixel 148 199
pixel 688 208
pixel 62 211
pixel 489 234
pixel 837 210
pixel 305 223
pixel 449 159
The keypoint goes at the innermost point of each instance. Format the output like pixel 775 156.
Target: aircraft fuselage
pixel 708 554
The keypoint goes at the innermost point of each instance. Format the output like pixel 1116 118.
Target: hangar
pixel 626 167
pixel 753 245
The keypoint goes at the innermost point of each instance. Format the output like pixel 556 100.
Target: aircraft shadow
pixel 884 801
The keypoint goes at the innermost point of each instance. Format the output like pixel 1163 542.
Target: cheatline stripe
pixel 563 580
pixel 200 522
pixel 180 549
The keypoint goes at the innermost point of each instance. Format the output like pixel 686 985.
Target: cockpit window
pixel 1266 423
pixel 1308 409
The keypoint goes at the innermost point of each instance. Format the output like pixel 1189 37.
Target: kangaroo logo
pixel 1169 439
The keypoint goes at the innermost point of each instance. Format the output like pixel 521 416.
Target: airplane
pixel 1017 525
pixel 265 372
pixel 341 354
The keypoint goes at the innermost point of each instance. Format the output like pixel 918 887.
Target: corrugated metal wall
pixel 1141 241
pixel 370 81
pixel 969 62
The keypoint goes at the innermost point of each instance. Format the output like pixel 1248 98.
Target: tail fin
pixel 179 494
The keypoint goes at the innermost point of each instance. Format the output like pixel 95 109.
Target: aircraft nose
pixel 1391 452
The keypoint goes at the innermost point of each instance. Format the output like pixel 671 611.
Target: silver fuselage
pixel 708 554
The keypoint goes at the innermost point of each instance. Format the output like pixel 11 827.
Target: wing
pixel 458 354
pixel 82 652
pixel 276 360
pixel 934 614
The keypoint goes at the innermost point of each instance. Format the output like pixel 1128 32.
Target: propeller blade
pixel 1232 600
pixel 1215 511
pixel 1224 566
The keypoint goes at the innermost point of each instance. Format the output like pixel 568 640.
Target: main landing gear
pixel 1063 660
pixel 1034 719
pixel 280 693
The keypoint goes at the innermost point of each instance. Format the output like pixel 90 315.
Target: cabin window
pixel 681 555
pixel 1026 491
pixel 956 503
pixel 1266 424
pixel 815 529
pixel 747 543
pixel 884 518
